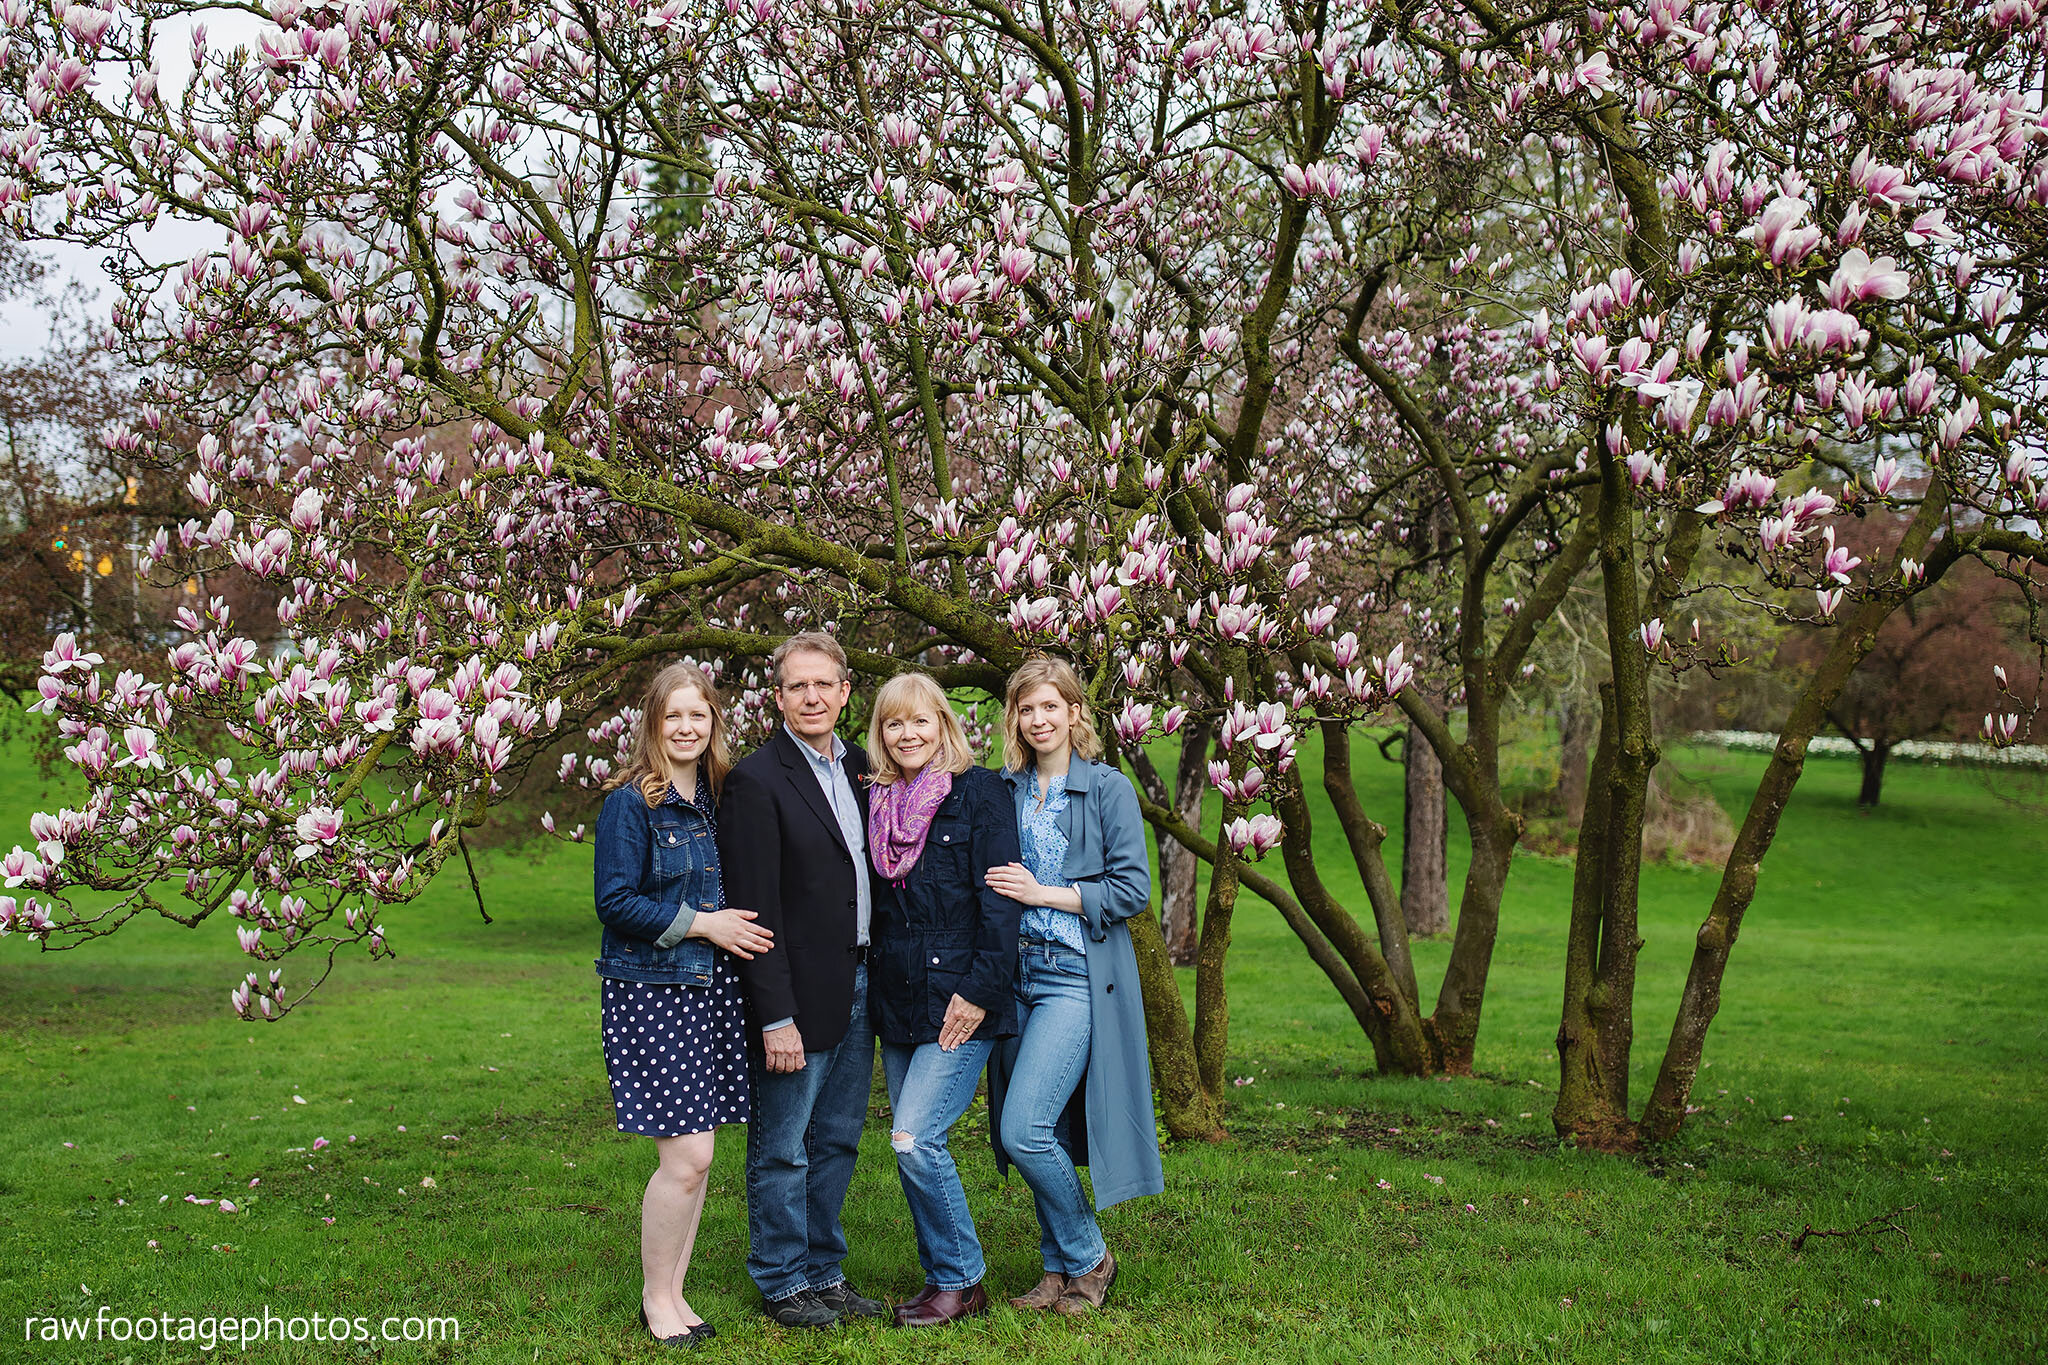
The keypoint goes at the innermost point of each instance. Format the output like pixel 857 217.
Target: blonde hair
pixel 1035 672
pixel 900 696
pixel 649 764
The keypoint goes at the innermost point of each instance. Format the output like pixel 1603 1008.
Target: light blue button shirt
pixel 1043 847
pixel 845 803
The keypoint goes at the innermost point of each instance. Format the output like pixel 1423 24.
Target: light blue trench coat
pixel 1108 1126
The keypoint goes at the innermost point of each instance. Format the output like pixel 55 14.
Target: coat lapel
pixel 1073 820
pixel 805 779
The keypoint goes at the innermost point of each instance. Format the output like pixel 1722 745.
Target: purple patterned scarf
pixel 900 816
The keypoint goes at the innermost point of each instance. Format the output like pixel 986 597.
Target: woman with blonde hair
pixel 1073 1087
pixel 673 1023
pixel 944 959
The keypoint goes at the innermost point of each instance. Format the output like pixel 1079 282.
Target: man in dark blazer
pixel 793 849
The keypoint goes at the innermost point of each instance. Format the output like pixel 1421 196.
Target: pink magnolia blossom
pixel 1782 233
pixel 1858 278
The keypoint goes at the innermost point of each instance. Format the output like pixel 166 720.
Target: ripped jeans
pixel 928 1092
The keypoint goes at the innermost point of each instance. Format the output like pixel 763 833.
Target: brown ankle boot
pixel 1086 1292
pixel 945 1305
pixel 1046 1295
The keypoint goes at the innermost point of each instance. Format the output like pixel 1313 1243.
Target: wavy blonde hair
pixel 1034 673
pixel 900 696
pixel 649 765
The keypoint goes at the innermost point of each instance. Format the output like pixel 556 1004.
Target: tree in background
pixel 1931 671
pixel 77 507
pixel 1425 838
pixel 1151 336
pixel 1179 868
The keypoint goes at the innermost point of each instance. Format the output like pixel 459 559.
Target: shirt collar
pixel 699 798
pixel 838 748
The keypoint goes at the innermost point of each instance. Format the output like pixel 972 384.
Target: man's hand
pixel 785 1049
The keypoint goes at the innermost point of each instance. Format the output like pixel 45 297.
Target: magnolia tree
pixel 1246 357
pixel 968 347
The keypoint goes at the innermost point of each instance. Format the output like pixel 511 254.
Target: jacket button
pixel 935 962
pixel 1111 990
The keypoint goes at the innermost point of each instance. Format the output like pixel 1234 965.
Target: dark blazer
pixel 783 858
pixel 943 931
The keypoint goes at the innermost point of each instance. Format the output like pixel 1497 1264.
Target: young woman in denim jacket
pixel 674 1026
pixel 941 986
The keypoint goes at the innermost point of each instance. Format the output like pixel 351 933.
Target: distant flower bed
pixel 1910 751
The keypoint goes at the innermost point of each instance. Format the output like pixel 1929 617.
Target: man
pixel 792 843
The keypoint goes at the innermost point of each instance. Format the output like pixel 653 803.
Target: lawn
pixel 1880 1055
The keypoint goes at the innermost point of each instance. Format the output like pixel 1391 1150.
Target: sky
pixel 27 324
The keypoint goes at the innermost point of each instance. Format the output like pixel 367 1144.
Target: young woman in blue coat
pixel 1074 1086
pixel 674 1028
pixel 943 964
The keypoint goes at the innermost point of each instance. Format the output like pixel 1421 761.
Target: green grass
pixel 1888 995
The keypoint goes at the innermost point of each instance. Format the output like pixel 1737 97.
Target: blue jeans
pixel 800 1150
pixel 928 1091
pixel 1047 1059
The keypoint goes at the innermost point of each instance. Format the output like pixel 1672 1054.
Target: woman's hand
pixel 1015 881
pixel 963 1017
pixel 732 930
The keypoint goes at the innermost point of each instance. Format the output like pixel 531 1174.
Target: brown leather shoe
pixel 945 1305
pixel 918 1300
pixel 1085 1292
pixel 1046 1295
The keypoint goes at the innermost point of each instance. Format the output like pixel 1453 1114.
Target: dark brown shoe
pixel 918 1300
pixel 945 1305
pixel 1085 1292
pixel 1045 1296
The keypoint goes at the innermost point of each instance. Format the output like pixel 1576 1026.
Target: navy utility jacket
pixel 944 931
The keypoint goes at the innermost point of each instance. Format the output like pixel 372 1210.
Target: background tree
pixel 1930 671
pixel 1151 336
pixel 1179 868
pixel 78 506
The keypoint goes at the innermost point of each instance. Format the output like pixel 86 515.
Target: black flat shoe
pixel 687 1341
pixel 703 1331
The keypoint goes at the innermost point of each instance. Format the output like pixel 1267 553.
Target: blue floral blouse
pixel 1045 853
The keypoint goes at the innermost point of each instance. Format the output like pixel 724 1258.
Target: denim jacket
pixel 655 870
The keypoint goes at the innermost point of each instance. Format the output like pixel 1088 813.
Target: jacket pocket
pixel 945 957
pixel 946 842
pixel 675 852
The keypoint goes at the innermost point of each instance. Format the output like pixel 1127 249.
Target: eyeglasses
pixel 809 689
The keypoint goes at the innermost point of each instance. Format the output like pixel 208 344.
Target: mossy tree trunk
pixel 1188 1111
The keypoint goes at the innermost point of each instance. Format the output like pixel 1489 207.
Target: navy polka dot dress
pixel 676 1054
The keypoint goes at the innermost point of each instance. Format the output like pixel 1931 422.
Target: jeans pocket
pixel 1067 962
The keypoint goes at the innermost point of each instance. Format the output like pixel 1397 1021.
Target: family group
pixel 768 922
